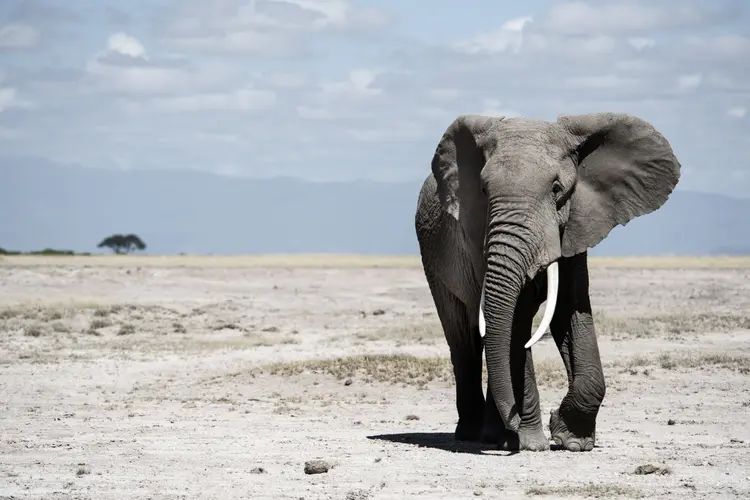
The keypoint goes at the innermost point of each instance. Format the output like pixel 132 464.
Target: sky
pixel 334 90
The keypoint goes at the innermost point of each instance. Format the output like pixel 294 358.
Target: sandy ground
pixel 190 382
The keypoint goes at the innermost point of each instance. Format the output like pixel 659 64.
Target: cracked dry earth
pixel 168 383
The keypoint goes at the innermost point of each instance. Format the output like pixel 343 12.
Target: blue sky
pixel 355 89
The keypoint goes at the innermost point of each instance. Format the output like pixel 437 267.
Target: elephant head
pixel 530 192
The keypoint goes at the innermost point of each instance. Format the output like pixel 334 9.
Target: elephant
pixel 504 223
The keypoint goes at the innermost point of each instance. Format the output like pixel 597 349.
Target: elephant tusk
pixel 549 310
pixel 482 324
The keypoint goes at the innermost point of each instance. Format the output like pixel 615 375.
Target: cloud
pixel 271 28
pixel 126 45
pixel 737 112
pixel 9 98
pixel 42 12
pixel 125 67
pixel 18 36
pixel 625 17
pixel 117 16
pixel 689 81
pixel 508 38
pixel 238 100
pixel 327 89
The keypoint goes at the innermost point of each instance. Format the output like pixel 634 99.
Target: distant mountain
pixel 64 207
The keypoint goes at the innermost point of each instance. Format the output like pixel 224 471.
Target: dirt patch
pixel 171 380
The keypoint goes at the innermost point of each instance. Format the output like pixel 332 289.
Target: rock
pixel 412 417
pixel 359 494
pixel 651 469
pixel 348 382
pixel 671 422
pixel 317 467
pixel 257 470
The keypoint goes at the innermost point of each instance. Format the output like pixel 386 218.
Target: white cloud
pixel 737 112
pixel 494 107
pixel 358 84
pixel 439 94
pixel 641 43
pixel 289 79
pixel 350 98
pixel 18 36
pixel 285 81
pixel 136 79
pixel 610 81
pixel 718 48
pixel 124 66
pixel 9 98
pixel 239 100
pixel 127 45
pixel 396 132
pixel 689 81
pixel 507 38
pixel 624 17
pixel 338 13
pixel 264 27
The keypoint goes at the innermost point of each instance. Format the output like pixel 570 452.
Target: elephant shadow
pixel 441 441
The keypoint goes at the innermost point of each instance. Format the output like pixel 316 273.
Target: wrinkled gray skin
pixel 506 198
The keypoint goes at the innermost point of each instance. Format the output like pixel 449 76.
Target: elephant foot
pixel 524 440
pixel 468 430
pixel 582 440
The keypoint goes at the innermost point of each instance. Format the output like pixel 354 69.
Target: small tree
pixel 121 244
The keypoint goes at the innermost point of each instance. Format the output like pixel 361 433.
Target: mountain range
pixel 43 204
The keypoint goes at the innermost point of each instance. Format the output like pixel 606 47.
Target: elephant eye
pixel 556 188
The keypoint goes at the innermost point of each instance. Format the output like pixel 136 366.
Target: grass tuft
pixel 588 490
pixel 739 363
pixel 391 368
pixel 550 373
pixel 653 326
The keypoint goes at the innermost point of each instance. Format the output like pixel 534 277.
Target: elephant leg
pixel 465 346
pixel 573 424
pixel 530 434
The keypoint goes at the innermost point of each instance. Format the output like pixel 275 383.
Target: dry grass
pixel 80 325
pixel 665 324
pixel 50 311
pixel 400 369
pixel 390 369
pixel 586 491
pixel 342 261
pixel 550 373
pixel 606 325
pixel 739 363
pixel 428 331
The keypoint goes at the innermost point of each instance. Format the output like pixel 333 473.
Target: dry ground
pixel 188 377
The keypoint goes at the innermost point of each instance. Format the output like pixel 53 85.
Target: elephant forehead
pixel 523 140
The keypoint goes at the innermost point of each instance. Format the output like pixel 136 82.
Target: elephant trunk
pixel 512 250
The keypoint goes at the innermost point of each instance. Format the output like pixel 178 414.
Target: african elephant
pixel 510 202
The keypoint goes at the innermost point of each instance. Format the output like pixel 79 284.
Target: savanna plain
pixel 222 377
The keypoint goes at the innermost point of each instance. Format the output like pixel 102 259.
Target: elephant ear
pixel 458 161
pixel 626 169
